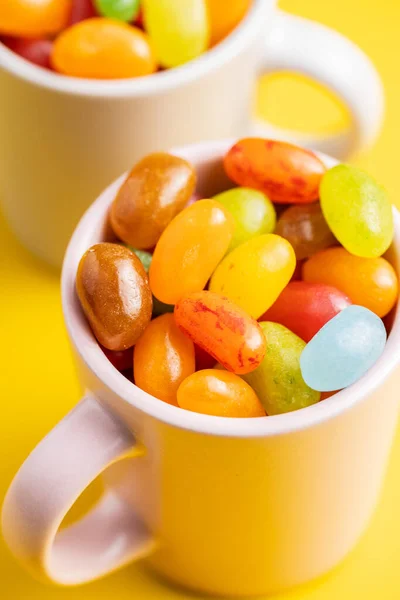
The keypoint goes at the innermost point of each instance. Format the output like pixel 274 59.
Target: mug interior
pixel 94 228
pixel 252 24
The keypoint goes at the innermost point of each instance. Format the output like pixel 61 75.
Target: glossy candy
pixel 343 350
pixel 102 48
pixel 114 292
pixel 254 214
pixel 254 274
pixel 189 250
pixel 81 9
pixel 224 19
pixel 222 329
pixel 219 393
pixel 287 174
pixel 163 358
pixel 156 189
pixel 369 282
pixel 305 307
pixel 178 29
pixel 304 226
pixel 37 51
pixel 278 381
pixel 357 210
pixel 123 10
pixel 122 360
pixel 33 18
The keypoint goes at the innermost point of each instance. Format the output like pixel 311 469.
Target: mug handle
pixel 60 468
pixel 300 45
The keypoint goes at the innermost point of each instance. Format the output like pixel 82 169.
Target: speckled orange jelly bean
pixel 286 173
pixel 368 282
pixel 219 393
pixel 222 329
pixel 189 249
pixel 157 188
pixel 101 48
pixel 163 358
pixel 114 292
pixel 33 18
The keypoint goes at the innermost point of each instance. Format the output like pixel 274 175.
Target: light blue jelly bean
pixel 343 350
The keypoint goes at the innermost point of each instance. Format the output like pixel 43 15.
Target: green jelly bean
pixel 278 381
pixel 159 308
pixel 123 10
pixel 253 212
pixel 357 211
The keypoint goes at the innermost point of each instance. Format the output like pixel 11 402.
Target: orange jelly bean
pixel 100 48
pixel 223 19
pixel 33 18
pixel 163 358
pixel 190 248
pixel 157 188
pixel 114 292
pixel 369 282
pixel 222 329
pixel 219 393
pixel 286 173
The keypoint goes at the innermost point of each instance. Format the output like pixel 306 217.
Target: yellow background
pixel 38 384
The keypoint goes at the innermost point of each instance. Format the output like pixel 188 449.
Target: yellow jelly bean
pixel 178 29
pixel 103 49
pixel 255 273
pixel 33 18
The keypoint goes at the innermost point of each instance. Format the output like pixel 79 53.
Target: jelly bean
pixel 189 250
pixel 122 360
pixel 144 257
pixel 203 359
pixel 102 48
pixel 156 189
pixel 305 307
pixel 278 381
pixel 224 20
pixel 27 18
pixel 285 173
pixel 163 358
pixel 222 329
pixel 178 29
pixel 297 273
pixel 254 214
pixel 305 228
pixel 37 51
pixel 357 210
pixel 219 393
pixel 114 292
pixel 254 274
pixel 81 9
pixel 343 350
pixel 369 282
pixel 123 10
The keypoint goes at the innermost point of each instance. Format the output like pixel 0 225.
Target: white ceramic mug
pixel 225 506
pixel 64 139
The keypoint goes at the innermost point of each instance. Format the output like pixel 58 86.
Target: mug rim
pixel 90 230
pixel 147 85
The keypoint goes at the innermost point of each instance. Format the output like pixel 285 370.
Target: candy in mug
pixel 123 10
pixel 251 465
pixel 25 18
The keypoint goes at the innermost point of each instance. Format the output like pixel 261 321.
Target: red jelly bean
pixel 305 307
pixel 203 359
pixel 37 51
pixel 81 9
pixel 121 359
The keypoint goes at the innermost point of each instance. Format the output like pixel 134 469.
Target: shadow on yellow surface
pixel 38 383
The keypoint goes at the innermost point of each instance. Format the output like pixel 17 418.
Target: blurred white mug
pixel 63 139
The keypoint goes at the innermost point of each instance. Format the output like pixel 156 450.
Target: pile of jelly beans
pixel 249 303
pixel 115 39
